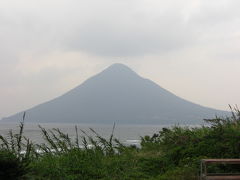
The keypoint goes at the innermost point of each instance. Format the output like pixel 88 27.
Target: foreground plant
pixel 16 153
pixel 172 154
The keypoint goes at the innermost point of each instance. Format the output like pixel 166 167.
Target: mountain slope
pixel 118 95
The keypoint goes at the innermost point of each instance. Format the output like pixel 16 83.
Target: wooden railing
pixel 205 175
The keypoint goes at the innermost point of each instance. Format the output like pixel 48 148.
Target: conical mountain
pixel 119 95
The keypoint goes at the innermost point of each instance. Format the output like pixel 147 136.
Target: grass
pixel 171 154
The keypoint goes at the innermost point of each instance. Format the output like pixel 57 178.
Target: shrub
pixel 11 167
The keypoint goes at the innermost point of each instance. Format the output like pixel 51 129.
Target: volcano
pixel 118 95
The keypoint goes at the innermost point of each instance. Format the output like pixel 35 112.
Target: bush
pixel 172 154
pixel 11 167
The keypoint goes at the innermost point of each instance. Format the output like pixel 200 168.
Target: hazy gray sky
pixel 189 47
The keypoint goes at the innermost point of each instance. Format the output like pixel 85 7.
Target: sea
pixel 127 134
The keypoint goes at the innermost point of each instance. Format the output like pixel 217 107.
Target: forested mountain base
pixel 171 154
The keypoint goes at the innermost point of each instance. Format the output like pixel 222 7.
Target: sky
pixel 189 47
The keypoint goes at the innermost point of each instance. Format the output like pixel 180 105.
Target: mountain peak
pixel 118 65
pixel 118 68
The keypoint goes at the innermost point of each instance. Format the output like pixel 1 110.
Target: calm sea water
pixel 125 133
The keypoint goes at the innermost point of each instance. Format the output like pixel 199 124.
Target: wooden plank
pixel 221 161
pixel 223 174
pixel 222 178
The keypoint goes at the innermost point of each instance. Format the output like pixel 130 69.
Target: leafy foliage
pixel 171 154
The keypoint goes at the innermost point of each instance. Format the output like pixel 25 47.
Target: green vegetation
pixel 171 154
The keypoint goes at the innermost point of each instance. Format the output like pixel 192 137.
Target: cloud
pixel 113 28
pixel 109 40
pixel 106 28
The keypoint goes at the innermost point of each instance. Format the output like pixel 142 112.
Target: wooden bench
pixel 218 176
